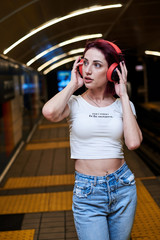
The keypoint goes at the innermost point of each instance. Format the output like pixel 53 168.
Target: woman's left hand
pixel 121 87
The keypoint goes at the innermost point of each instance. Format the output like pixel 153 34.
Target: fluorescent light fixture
pixel 75 51
pixel 60 19
pixel 46 64
pixel 139 68
pixel 56 65
pixel 154 53
pixel 62 44
pixel 54 59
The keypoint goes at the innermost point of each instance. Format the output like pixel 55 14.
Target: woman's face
pixel 95 69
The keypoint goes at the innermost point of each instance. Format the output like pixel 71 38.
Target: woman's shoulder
pixel 119 105
pixel 73 101
pixel 74 98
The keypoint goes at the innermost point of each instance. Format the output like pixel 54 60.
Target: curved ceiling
pixel 134 26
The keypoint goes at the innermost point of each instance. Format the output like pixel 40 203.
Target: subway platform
pixel 36 192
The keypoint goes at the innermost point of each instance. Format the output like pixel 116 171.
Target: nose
pixel 88 69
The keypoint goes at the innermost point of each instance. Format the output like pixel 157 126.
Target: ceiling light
pixel 155 53
pixel 62 44
pixel 56 65
pixel 46 64
pixel 75 51
pixel 57 20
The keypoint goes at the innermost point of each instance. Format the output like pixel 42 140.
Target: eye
pixel 98 65
pixel 85 63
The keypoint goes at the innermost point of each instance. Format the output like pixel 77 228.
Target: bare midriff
pixel 98 167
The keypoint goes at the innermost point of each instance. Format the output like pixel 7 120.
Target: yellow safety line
pixel 55 125
pixel 146 178
pixel 49 145
pixel 147 219
pixel 45 181
pixel 41 181
pixel 18 235
pixel 151 105
pixel 29 203
pixel 51 139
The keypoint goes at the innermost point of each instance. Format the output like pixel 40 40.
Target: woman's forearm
pixel 132 132
pixel 57 104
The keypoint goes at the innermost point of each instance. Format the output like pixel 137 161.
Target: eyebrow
pixel 94 60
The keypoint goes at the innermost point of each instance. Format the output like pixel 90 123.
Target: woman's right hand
pixel 76 79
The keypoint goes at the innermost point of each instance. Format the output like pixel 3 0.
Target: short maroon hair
pixel 110 54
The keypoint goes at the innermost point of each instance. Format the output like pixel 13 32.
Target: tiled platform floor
pixel 36 193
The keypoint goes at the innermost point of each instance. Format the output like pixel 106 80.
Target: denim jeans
pixel 104 206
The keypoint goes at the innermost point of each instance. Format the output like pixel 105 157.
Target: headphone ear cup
pixel 79 69
pixel 112 75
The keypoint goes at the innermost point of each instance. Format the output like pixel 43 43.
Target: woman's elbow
pixel 47 113
pixel 135 144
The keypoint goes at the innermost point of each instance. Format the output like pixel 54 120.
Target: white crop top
pixel 95 132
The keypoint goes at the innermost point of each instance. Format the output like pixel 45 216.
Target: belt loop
pixel 107 178
pixel 116 176
pixel 95 181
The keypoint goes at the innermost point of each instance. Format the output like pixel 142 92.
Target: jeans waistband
pixel 116 174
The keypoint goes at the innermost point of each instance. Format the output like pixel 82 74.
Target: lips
pixel 88 79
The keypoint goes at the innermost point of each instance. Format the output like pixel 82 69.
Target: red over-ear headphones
pixel 112 75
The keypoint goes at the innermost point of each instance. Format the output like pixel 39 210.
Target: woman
pixel 104 195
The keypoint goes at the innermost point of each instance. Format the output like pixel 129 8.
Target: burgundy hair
pixel 110 54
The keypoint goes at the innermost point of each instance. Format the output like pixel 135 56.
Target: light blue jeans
pixel 104 207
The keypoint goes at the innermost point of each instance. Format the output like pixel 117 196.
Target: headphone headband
pixel 118 50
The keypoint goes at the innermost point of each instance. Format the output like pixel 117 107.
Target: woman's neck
pixel 98 99
pixel 98 95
